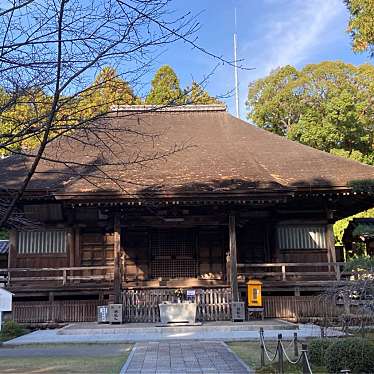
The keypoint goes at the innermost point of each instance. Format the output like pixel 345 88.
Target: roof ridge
pixel 171 108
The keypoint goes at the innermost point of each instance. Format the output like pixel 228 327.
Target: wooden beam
pixel 117 257
pixel 233 259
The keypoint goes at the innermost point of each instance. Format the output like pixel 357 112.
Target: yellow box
pixel 254 291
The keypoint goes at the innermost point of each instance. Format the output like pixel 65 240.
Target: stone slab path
pixel 183 357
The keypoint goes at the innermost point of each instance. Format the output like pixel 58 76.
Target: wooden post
pixel 295 347
pixel 228 268
pixel 117 256
pixel 331 254
pixel 12 254
pixel 262 347
pixel 304 352
pixel 338 273
pixel 71 247
pixel 280 355
pixel 262 355
pixel 51 299
pixel 283 272
pixel 233 259
pixel 77 248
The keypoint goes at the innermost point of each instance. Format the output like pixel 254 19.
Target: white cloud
pixel 294 38
pixel 290 35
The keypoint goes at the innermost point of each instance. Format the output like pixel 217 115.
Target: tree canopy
pixel 24 119
pixel 197 95
pixel 165 88
pixel 327 106
pixel 108 89
pixel 361 24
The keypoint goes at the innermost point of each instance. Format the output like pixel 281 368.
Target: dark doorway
pixel 173 254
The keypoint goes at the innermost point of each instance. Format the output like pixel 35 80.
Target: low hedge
pixel 317 349
pixel 355 354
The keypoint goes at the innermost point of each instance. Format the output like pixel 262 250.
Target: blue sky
pixel 271 33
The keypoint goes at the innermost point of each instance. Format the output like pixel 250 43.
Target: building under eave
pixel 162 198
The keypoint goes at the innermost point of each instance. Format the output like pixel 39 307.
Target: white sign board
pixel 191 293
pixel 5 303
pixel 5 300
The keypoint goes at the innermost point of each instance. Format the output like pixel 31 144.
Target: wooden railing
pixel 56 311
pixel 279 270
pixel 284 273
pixel 64 275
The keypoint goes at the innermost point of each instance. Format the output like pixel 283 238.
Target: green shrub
pixel 11 329
pixel 317 349
pixel 355 354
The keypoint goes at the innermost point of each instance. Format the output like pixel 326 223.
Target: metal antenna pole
pixel 236 73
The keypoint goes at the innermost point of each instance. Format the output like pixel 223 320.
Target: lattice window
pixel 302 237
pixel 173 254
pixel 41 242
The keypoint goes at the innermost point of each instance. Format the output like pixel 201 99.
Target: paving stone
pixel 184 357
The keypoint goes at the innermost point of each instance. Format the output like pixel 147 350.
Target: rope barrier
pixel 289 344
pixel 288 359
pixel 304 352
pixel 266 350
pixel 281 352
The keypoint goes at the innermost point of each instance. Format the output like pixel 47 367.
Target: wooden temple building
pixel 204 201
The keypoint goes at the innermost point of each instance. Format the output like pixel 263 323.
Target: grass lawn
pixel 250 353
pixel 62 364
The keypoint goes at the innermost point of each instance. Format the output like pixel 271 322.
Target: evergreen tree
pixel 197 95
pixel 108 90
pixel 165 88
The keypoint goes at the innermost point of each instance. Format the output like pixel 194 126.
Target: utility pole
pixel 236 72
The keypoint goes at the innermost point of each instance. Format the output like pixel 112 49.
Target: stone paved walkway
pixel 183 357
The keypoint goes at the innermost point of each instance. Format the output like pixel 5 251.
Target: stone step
pixel 208 328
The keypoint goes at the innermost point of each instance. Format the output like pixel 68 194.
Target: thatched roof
pixel 187 149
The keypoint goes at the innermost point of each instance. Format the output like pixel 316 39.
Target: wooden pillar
pixel 12 254
pixel 233 259
pixel 228 268
pixel 117 258
pixel 331 254
pixel 71 247
pixel 77 247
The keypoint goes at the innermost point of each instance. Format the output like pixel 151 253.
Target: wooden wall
pixel 136 259
pixel 212 253
pixel 253 244
pixel 17 260
pixel 305 255
pixel 96 248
